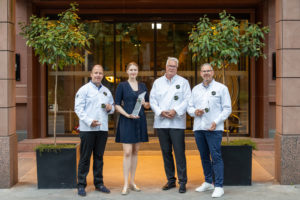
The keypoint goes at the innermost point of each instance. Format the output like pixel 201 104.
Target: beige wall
pixel 271 83
pixel 22 15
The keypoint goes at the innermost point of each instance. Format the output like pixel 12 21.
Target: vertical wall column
pixel 287 139
pixel 8 137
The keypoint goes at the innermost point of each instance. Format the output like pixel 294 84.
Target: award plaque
pixel 138 104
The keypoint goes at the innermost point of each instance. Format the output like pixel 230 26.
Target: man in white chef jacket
pixel 93 103
pixel 210 105
pixel 169 100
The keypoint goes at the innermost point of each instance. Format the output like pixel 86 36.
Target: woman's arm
pixel 122 111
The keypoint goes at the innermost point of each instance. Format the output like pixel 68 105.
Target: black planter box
pixel 237 165
pixel 57 170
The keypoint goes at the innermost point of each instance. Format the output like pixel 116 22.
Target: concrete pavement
pixel 150 177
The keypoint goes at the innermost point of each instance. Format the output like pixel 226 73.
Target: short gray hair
pixel 172 59
pixel 207 64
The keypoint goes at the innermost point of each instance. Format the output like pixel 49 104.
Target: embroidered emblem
pixel 77 95
pixel 176 98
pixel 177 86
pixel 105 93
pixel 103 105
pixel 206 110
pixel 213 92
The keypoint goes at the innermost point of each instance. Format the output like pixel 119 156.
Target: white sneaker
pixel 204 187
pixel 218 192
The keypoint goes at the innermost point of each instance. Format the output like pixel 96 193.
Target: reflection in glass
pixel 135 42
pixel 149 45
pixel 172 40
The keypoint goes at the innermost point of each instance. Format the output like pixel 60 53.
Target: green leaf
pixel 226 40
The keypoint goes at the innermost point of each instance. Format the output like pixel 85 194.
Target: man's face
pixel 97 75
pixel 207 73
pixel 171 69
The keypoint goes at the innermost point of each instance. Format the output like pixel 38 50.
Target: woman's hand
pixel 130 116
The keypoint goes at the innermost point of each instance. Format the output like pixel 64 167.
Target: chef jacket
pixel 215 100
pixel 88 106
pixel 167 95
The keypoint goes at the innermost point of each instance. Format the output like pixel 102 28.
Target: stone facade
pixel 287 139
pixel 8 137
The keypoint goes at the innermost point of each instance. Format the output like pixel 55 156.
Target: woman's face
pixel 132 71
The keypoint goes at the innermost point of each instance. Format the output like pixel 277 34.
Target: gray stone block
pixel 8 161
pixel 287 159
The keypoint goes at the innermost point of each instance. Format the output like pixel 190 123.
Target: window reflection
pixel 117 44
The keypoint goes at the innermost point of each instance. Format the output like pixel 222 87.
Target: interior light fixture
pixel 158 25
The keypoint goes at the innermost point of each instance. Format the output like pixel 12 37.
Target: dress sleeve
pixel 119 94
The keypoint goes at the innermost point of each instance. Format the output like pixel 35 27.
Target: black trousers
pixel 91 142
pixel 173 138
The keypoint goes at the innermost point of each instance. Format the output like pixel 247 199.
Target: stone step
pixel 28 145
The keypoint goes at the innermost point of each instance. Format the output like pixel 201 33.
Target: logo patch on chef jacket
pixel 77 95
pixel 177 86
pixel 105 93
pixel 213 92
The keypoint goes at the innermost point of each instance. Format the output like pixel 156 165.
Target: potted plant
pixel 57 43
pixel 222 44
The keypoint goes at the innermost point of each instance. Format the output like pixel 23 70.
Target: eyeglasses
pixel 172 66
pixel 206 71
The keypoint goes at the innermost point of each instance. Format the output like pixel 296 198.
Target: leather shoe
pixel 182 188
pixel 103 189
pixel 169 186
pixel 81 191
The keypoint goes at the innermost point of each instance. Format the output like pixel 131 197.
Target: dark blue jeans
pixel 209 145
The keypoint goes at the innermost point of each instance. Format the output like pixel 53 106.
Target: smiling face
pixel 171 69
pixel 97 75
pixel 132 71
pixel 207 73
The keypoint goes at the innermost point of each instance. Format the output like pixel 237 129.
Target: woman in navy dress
pixel 132 130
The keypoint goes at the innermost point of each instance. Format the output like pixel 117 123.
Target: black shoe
pixel 81 191
pixel 182 188
pixel 169 186
pixel 103 189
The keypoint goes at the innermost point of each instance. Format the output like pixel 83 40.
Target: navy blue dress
pixel 131 131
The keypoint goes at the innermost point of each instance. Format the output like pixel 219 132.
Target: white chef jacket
pixel 88 106
pixel 216 98
pixel 167 95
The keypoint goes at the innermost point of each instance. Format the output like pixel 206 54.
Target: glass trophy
pixel 138 104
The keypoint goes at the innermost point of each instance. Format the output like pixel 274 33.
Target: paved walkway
pixel 150 177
